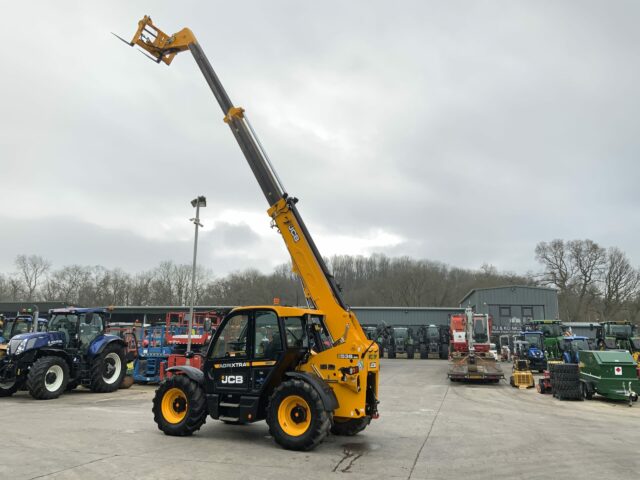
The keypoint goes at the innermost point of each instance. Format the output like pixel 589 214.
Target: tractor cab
pixel 79 326
pixel 18 325
pixel 571 346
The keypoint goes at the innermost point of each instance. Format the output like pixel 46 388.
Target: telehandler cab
pixel 307 371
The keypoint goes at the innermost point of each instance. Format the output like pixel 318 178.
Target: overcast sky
pixel 464 132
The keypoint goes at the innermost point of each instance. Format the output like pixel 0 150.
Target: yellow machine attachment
pixel 522 377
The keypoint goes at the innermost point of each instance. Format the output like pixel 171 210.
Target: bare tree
pixel 621 282
pixel 589 259
pixel 559 270
pixel 31 268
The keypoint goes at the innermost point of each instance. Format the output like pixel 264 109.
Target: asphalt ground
pixel 429 428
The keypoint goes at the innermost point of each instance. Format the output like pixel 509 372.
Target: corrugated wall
pixel 372 316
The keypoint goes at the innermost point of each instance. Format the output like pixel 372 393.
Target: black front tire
pixel 319 422
pixel 194 408
pixel 48 378
pixel 8 388
pixel 109 369
pixel 350 427
pixel 391 353
pixel 410 352
pixel 424 354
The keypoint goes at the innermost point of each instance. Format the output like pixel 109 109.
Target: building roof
pixel 531 287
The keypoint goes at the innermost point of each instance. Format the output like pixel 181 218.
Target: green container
pixel 610 373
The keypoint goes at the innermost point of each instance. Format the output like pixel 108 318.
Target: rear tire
pixel 108 370
pixel 424 354
pixel 179 406
pixel 444 352
pixel 391 353
pixel 350 427
pixel 296 416
pixel 48 378
pixel 410 352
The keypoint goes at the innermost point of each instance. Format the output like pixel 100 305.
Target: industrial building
pixel 509 307
pixel 513 305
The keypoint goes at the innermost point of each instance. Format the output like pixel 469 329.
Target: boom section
pixel 320 287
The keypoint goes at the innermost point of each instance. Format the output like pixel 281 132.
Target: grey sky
pixel 464 132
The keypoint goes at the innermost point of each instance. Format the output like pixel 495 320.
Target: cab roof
pixel 74 310
pixel 281 311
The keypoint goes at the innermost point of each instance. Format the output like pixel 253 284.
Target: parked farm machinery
pixel 470 356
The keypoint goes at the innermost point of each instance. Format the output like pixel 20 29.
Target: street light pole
pixel 198 202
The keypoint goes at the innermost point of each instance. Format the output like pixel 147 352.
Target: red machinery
pixel 470 345
pixel 177 335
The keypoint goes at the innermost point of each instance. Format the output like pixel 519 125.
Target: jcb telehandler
pixel 307 371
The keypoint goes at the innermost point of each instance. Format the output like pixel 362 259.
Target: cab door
pixel 268 348
pixel 228 362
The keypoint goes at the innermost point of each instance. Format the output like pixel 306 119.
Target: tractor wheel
pixel 8 388
pixel 296 416
pixel 512 381
pixel 444 352
pixel 351 427
pixel 108 370
pixel 391 353
pixel 381 350
pixel 410 352
pixel 540 386
pixel 179 406
pixel 423 351
pixel 48 378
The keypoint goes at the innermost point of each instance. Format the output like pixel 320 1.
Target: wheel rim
pixel 111 368
pixel 174 405
pixel 53 378
pixel 294 415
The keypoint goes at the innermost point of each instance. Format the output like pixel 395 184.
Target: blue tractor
pixel 534 351
pixel 13 326
pixel 570 347
pixel 74 351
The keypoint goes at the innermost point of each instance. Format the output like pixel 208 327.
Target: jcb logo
pixel 294 234
pixel 231 379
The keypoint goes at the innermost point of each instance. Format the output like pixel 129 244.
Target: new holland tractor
pixel 74 351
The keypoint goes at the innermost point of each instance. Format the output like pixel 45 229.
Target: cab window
pixel 267 341
pixel 294 333
pixel 318 334
pixel 232 341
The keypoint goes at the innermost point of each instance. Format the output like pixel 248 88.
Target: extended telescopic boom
pixel 320 287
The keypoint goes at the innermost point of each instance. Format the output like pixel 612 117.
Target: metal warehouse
pixel 510 306
pixel 405 316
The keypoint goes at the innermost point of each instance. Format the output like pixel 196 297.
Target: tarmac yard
pixel 429 428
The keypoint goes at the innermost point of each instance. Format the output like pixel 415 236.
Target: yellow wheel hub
pixel 294 415
pixel 174 405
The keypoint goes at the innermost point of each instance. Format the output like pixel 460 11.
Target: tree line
pixel 593 283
